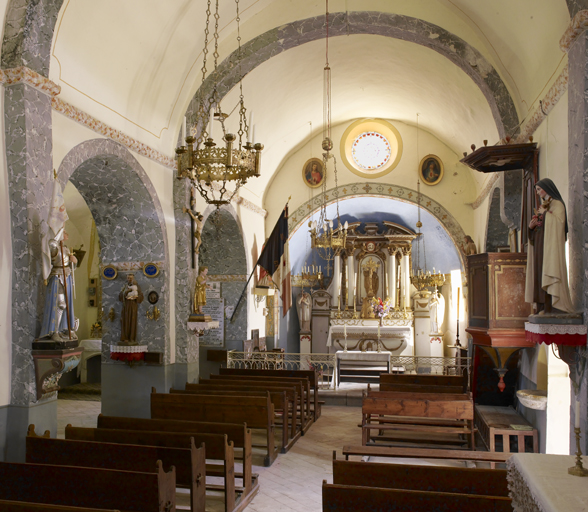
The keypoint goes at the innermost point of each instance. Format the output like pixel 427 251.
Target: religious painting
pixel 370 278
pixel 431 170
pixel 313 172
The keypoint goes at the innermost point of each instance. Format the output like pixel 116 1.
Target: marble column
pixel 405 291
pixel 577 205
pixel 27 118
pixel 350 280
pixel 187 348
pixel 392 276
pixel 336 279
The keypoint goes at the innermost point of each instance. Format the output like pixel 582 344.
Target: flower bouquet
pixel 381 308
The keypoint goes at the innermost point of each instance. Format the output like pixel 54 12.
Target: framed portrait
pixel 431 170
pixel 313 172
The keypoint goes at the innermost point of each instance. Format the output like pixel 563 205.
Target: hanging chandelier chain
pixel 243 127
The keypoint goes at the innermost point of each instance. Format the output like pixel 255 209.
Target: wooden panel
pixel 478 290
pixel 462 410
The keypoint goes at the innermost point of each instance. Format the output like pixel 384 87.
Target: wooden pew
pixel 347 498
pixel 190 463
pixel 302 386
pixel 216 445
pixel 483 482
pixel 276 390
pixel 380 411
pixel 312 376
pixel 89 487
pixel 401 452
pixel 238 434
pixel 441 383
pixel 256 411
pixel 26 506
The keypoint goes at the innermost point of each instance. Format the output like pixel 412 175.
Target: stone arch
pixel 130 224
pixel 223 252
pixel 296 33
pixel 28 34
pixel 405 194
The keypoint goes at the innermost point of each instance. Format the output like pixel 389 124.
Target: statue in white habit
pixel 303 306
pixel 436 312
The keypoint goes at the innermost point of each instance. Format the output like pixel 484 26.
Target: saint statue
pixel 547 277
pixel 470 247
pixel 436 312
pixel 303 306
pixel 60 288
pixel 131 296
pixel 200 290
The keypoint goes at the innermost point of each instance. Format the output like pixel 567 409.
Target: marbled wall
pixel 28 34
pixel 291 35
pixel 27 118
pixel 223 252
pixel 130 231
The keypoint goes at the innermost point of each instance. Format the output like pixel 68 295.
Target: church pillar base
pixel 15 421
pixel 126 390
pixel 186 372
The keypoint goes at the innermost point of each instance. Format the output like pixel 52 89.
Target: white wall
pixel 456 189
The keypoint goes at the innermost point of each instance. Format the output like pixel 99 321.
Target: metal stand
pixel 578 469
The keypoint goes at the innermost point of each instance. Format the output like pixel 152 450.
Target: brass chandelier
pixel 211 167
pixel 325 237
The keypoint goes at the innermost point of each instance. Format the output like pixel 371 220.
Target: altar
pixel 395 334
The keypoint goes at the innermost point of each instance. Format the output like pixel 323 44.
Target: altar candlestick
pixel 458 304
pixel 577 418
pixel 378 330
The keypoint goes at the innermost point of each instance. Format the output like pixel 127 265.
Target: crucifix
pixel 195 227
pixel 371 287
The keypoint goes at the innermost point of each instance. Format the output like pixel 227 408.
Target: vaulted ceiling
pixel 436 59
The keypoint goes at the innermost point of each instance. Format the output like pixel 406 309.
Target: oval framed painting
pixel 431 170
pixel 313 172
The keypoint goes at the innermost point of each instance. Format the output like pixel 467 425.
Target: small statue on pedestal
pixel 303 306
pixel 131 296
pixel 200 297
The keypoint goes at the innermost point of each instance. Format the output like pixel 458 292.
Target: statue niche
pixel 370 284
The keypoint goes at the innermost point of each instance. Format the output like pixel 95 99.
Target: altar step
pixel 361 373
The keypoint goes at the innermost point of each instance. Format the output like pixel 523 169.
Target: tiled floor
pixel 293 482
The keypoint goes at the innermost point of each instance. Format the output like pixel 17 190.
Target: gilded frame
pixel 434 175
pixel 308 171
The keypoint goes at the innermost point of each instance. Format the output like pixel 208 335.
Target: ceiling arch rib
pixel 291 35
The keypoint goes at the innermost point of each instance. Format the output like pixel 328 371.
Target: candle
pixel 345 330
pixel 210 119
pixel 183 131
pixel 250 134
pixel 577 418
pixel 253 134
pixel 458 289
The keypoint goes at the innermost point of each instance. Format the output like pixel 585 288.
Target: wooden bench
pixel 312 376
pixel 424 381
pixel 347 498
pixel 380 411
pixel 190 463
pixel 283 400
pixel 493 421
pixel 238 434
pixel 89 487
pixel 302 388
pixel 256 411
pixel 27 506
pixel 483 482
pixel 401 452
pixel 217 447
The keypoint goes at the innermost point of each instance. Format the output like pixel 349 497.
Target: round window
pixel 370 151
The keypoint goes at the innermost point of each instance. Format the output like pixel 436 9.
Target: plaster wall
pixel 5 272
pixel 455 189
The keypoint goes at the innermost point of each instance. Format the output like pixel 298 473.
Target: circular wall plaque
pixel 109 272
pixel 153 297
pixel 151 270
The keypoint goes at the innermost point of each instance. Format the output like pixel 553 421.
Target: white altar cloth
pixel 91 348
pixel 541 483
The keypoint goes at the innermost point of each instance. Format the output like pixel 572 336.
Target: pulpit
pixel 497 307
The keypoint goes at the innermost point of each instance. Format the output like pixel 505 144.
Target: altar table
pixel 393 338
pixel 541 483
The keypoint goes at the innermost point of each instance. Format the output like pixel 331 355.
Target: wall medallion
pixel 313 172
pixel 431 170
pixel 151 270
pixel 109 272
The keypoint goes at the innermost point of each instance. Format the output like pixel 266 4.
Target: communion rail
pixel 326 364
